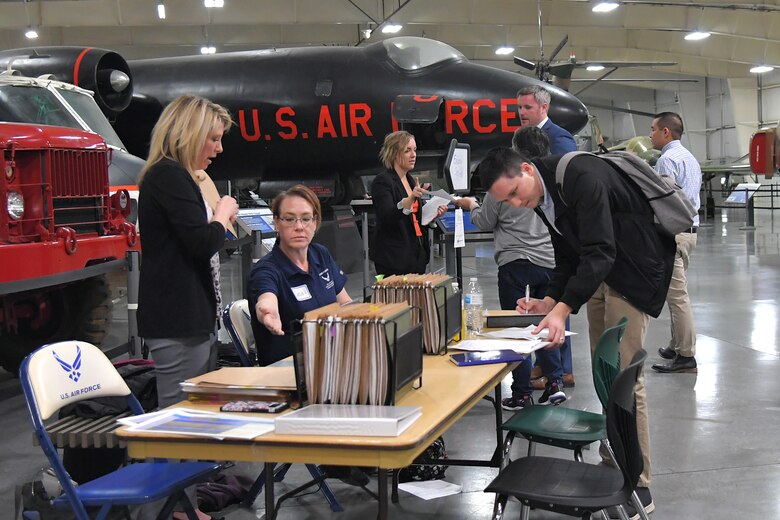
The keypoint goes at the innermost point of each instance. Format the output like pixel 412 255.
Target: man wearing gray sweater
pixel 525 258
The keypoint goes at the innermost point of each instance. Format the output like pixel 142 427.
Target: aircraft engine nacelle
pixel 104 72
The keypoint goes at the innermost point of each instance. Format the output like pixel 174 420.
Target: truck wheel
pixel 81 310
pixel 95 305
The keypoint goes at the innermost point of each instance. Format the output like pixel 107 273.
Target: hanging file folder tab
pixel 434 296
pixel 365 354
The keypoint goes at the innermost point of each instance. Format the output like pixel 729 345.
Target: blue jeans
pixel 512 279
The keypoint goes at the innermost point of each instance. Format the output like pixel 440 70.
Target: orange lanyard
pixel 417 230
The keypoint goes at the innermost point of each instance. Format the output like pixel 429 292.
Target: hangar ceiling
pixel 742 34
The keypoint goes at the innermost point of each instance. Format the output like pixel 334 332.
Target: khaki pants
pixel 605 308
pixel 683 331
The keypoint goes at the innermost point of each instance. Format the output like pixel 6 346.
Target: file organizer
pixel 440 305
pixel 357 354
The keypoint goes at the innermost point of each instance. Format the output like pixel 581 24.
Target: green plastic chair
pixel 566 427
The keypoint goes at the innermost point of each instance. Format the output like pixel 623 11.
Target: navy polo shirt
pixel 297 291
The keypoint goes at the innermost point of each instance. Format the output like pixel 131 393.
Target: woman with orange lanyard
pixel 400 243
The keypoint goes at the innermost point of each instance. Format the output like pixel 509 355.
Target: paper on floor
pixel 430 489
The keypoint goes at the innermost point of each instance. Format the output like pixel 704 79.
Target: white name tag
pixel 301 293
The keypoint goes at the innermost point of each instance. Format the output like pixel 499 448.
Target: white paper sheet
pixel 484 345
pixel 460 234
pixel 431 208
pixel 520 333
pixel 441 193
pixel 430 489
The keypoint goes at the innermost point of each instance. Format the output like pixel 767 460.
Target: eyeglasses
pixel 290 221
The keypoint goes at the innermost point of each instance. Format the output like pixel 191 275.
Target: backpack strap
pixel 560 170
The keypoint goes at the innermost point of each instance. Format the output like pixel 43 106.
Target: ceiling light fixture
pixel 696 36
pixel 503 51
pixel 594 68
pixel 161 11
pixel 31 33
pixel 391 28
pixel 214 3
pixel 761 69
pixel 605 7
pixel 208 49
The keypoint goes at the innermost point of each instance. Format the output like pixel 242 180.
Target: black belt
pixel 690 230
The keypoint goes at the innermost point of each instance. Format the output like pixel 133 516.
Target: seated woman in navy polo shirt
pixel 295 277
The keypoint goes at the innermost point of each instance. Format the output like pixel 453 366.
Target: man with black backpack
pixel 676 161
pixel 609 253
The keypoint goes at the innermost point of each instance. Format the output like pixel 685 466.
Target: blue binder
pixel 465 359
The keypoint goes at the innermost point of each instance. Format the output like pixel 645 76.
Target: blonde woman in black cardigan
pixel 400 241
pixel 178 297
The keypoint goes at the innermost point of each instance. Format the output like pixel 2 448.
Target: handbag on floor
pixel 421 469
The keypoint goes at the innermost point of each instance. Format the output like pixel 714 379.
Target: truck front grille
pixel 79 185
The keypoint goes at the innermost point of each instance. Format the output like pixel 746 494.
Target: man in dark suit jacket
pixel 609 255
pixel 532 104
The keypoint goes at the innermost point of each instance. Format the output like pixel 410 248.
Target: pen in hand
pixel 527 297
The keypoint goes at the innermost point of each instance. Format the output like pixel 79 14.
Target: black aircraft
pixel 317 114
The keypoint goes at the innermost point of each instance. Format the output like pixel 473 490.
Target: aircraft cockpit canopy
pixel 413 53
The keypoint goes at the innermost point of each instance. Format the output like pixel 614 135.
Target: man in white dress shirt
pixel 677 161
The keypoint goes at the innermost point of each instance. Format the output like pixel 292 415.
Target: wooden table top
pixel 447 393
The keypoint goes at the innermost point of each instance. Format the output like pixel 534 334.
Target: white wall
pixel 719 115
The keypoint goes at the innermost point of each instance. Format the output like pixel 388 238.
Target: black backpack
pixel 674 212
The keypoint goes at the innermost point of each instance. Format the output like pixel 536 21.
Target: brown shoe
pixel 540 383
pixel 568 380
pixel 536 373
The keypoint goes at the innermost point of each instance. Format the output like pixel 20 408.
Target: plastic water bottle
pixel 472 304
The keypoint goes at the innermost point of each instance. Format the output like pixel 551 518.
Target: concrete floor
pixel 714 434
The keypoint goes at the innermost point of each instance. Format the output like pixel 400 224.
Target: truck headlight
pixel 15 205
pixel 120 202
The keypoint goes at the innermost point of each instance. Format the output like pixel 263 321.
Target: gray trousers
pixel 179 359
pixel 175 360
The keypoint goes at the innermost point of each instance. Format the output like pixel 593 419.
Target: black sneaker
pixel 518 402
pixel 647 501
pixel 553 394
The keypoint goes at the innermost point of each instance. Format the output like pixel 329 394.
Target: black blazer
pixel 176 293
pixel 607 234
pixel 396 245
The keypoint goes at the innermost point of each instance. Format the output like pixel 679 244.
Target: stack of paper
pixel 346 352
pixel 240 383
pixel 184 421
pixel 336 419
pixel 427 292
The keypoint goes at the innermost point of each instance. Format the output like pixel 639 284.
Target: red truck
pixel 61 231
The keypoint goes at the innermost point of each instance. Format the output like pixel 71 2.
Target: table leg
pixel 497 455
pixel 394 493
pixel 382 485
pixel 269 491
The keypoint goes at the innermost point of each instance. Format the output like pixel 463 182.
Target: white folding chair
pixel 59 374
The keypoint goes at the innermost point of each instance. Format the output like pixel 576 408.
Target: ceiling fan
pixel 559 73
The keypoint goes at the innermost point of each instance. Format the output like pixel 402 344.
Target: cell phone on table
pixel 253 406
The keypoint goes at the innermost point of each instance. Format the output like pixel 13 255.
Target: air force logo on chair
pixel 72 369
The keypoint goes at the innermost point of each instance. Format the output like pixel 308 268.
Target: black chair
pixel 575 488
